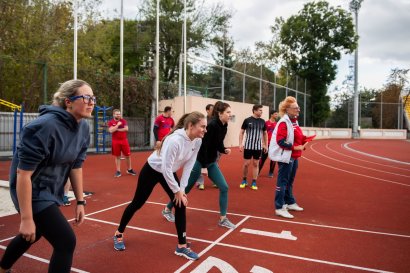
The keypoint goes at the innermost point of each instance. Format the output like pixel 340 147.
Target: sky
pixel 384 30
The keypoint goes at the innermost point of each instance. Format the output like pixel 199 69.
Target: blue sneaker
pixel 119 242
pixel 187 253
pixel 244 183
pixel 66 201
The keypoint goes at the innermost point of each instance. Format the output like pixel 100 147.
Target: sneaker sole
pixel 227 226
pixel 280 215
pixel 119 249
pixel 185 256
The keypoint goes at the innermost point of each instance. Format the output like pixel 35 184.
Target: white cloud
pixel 384 29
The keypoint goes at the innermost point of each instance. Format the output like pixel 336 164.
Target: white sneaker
pixel 294 207
pixel 284 213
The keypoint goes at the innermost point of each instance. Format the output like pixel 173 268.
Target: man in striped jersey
pixel 256 142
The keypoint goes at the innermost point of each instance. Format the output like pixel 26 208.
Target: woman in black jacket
pixel 212 143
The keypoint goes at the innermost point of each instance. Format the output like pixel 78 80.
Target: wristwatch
pixel 81 203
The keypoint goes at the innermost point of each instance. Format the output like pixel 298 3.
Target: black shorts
pixel 248 154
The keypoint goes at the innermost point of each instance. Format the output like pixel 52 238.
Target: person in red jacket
pixel 286 147
pixel 270 126
pixel 118 127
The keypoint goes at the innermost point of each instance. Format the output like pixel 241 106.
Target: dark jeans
pixel 53 226
pixel 147 180
pixel 284 184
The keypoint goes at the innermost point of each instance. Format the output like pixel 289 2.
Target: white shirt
pixel 177 151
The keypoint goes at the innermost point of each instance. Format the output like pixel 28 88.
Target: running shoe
pixel 253 186
pixel 226 223
pixel 187 253
pixel 294 207
pixel 270 175
pixel 168 215
pixel 244 183
pixel 117 174
pixel 131 172
pixel 66 201
pixel 283 212
pixel 119 242
pixel 201 187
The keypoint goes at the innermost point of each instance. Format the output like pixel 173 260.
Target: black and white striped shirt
pixel 254 128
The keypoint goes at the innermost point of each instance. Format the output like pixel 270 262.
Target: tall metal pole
pixel 75 38
pixel 157 62
pixel 185 55
pixel 223 70
pixel 355 6
pixel 244 83
pixel 260 85
pixel 122 58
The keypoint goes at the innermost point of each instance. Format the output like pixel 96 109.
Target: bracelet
pixel 81 203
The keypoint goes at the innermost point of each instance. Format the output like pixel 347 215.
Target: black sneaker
pixel 131 172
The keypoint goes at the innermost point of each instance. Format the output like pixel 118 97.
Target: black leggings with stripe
pixel 147 180
pixel 53 226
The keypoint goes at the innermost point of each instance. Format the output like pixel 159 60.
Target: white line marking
pixel 212 245
pixel 355 165
pixel 367 176
pixel 304 258
pixel 36 258
pixel 287 235
pixel 218 243
pixel 367 161
pixel 346 145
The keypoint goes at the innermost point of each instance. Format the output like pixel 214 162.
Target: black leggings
pixel 52 225
pixel 147 180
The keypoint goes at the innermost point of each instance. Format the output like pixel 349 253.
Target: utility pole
pixel 354 7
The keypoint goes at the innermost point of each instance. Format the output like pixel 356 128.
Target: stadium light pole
pixel 157 62
pixel 354 7
pixel 75 38
pixel 185 55
pixel 122 58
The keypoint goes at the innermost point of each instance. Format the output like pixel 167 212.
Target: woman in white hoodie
pixel 178 150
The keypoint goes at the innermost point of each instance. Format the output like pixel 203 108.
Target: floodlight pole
pixel 185 54
pixel 122 58
pixel 157 62
pixel 75 39
pixel 355 6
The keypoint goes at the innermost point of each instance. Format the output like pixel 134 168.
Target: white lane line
pixel 218 243
pixel 305 258
pixel 213 244
pixel 355 165
pixel 277 220
pixel 362 160
pixel 363 175
pixel 286 235
pixel 346 145
pixel 36 258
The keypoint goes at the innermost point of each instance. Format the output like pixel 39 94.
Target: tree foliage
pixel 310 43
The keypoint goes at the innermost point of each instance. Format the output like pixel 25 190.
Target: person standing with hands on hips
pixel 286 147
pixel 179 149
pixel 118 127
pixel 52 149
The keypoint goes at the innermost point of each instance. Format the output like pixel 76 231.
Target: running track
pixel 356 195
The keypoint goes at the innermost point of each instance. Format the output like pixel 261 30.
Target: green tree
pixel 312 41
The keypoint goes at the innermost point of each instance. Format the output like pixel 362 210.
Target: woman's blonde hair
pixel 283 105
pixel 66 90
pixel 183 123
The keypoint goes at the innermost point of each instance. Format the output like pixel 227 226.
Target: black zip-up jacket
pixel 213 142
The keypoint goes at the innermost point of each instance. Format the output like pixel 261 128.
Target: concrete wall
pixel 240 111
pixel 383 134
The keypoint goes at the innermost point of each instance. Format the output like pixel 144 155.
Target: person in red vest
pixel 163 125
pixel 118 127
pixel 270 126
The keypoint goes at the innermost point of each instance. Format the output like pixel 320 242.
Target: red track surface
pixel 356 218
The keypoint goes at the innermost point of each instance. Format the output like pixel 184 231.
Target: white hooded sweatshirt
pixel 177 151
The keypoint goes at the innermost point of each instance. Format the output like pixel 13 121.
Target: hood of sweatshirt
pixel 64 116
